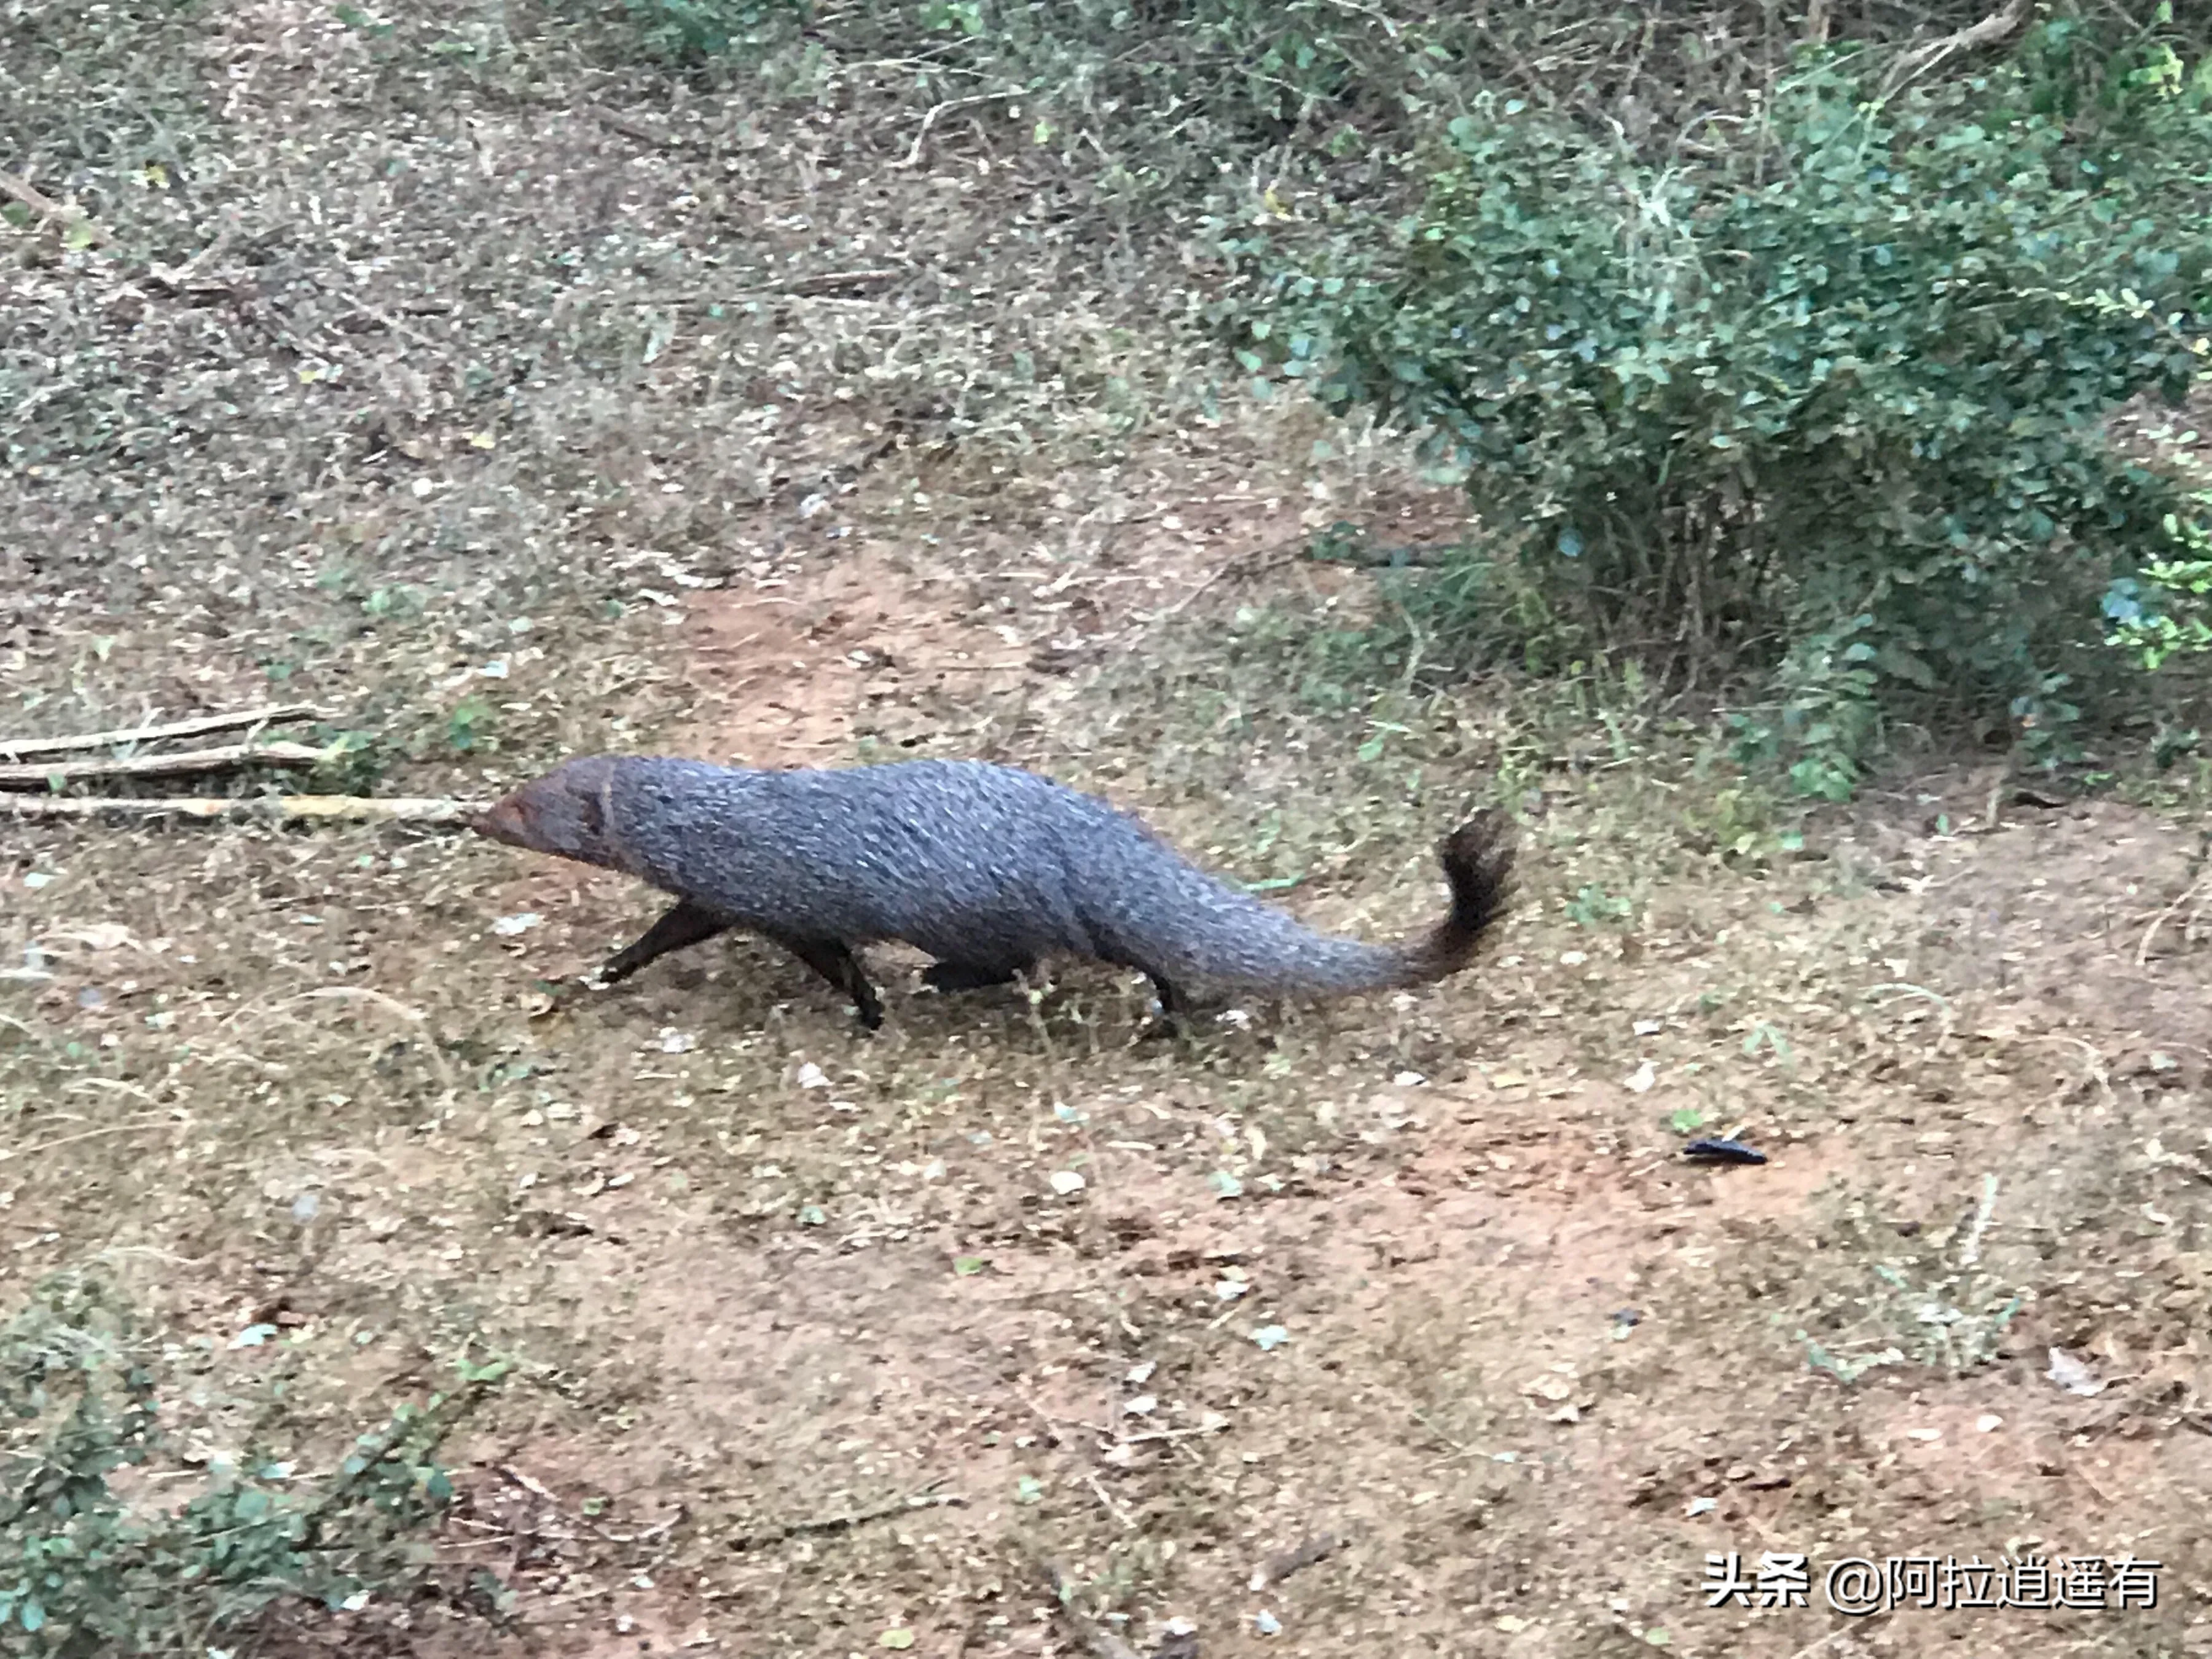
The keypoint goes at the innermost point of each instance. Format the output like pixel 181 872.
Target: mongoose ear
pixel 586 806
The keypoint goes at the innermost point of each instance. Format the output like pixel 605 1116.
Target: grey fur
pixel 989 869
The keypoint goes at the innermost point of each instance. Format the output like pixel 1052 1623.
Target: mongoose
pixel 987 868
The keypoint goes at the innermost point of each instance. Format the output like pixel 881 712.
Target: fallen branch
pixel 275 808
pixel 828 281
pixel 1989 30
pixel 615 121
pixel 46 1147
pixel 17 748
pixel 1277 1568
pixel 919 1498
pixel 32 774
pixel 929 120
pixel 46 208
pixel 1384 558
pixel 2195 889
pixel 424 1430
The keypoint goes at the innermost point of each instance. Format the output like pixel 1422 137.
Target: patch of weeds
pixel 355 763
pixel 1592 907
pixel 394 602
pixel 1846 1370
pixel 1952 1320
pixel 91 1563
pixel 693 30
pixel 469 725
pixel 359 20
pixel 1766 1037
pixel 1737 821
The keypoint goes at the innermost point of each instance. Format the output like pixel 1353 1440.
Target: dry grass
pixel 496 431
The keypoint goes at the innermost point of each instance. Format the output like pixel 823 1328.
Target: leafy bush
pixel 91 1563
pixel 2169 613
pixel 1830 391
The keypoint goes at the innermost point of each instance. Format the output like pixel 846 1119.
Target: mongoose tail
pixel 1478 859
pixel 1222 935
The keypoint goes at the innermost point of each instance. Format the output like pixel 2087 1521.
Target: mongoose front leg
pixel 1171 1017
pixel 836 964
pixel 686 923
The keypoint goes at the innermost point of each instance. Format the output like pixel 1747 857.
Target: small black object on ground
pixel 1723 1151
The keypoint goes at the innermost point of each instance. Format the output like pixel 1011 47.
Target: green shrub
pixel 2168 611
pixel 93 1561
pixel 1828 392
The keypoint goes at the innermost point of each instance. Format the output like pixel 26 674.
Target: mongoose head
pixel 566 812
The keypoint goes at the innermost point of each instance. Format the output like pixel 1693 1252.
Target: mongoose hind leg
pixel 950 975
pixel 836 964
pixel 685 925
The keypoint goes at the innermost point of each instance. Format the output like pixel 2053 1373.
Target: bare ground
pixel 1399 1327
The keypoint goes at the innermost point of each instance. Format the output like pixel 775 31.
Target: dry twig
pixel 46 208
pixel 17 748
pixel 280 808
pixel 921 137
pixel 615 121
pixel 2197 890
pixel 919 1498
pixel 33 775
pixel 1989 30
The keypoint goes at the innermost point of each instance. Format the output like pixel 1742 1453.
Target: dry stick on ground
pixel 2195 889
pixel 198 726
pixel 46 1147
pixel 1277 1568
pixel 920 138
pixel 615 121
pixel 45 205
pixel 1273 557
pixel 183 278
pixel 34 775
pixel 398 809
pixel 1989 30
pixel 919 1498
pixel 828 281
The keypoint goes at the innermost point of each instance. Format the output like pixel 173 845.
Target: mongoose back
pixel 989 869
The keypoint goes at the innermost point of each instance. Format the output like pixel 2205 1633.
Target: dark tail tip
pixel 1478 861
